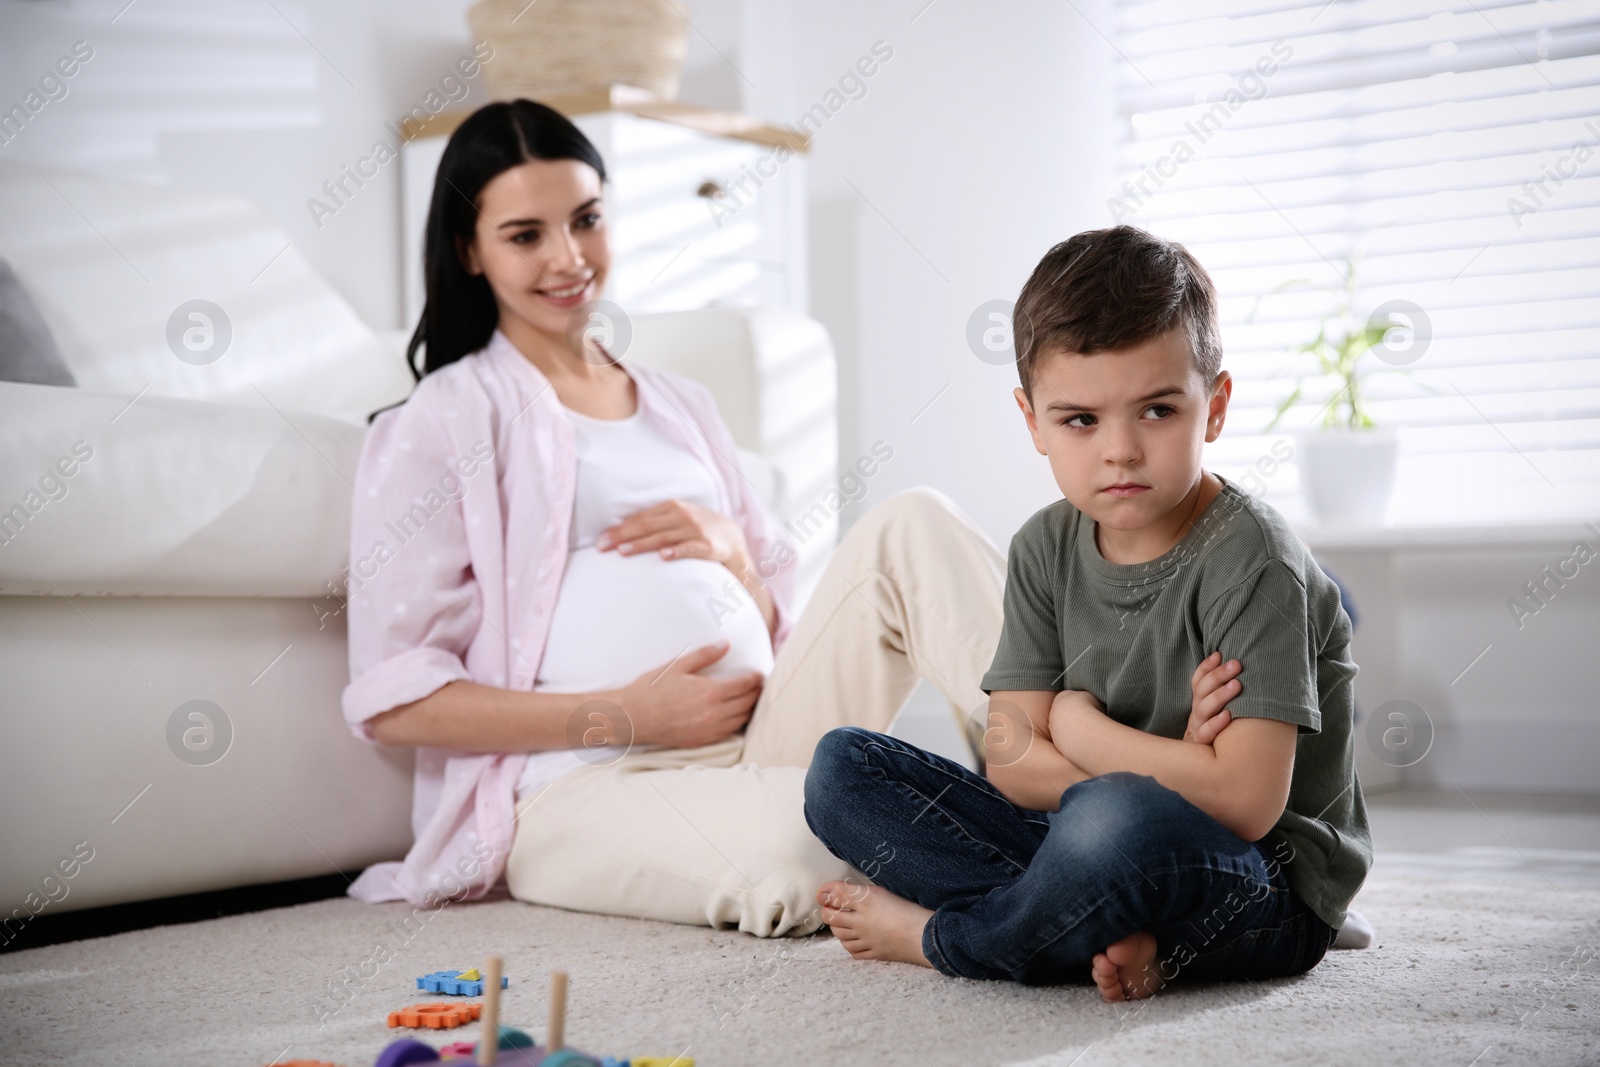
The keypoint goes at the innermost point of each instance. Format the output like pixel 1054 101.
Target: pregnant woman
pixel 539 533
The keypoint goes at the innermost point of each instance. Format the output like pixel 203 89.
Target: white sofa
pixel 187 555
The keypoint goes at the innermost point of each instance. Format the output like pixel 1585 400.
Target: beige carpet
pixel 1465 972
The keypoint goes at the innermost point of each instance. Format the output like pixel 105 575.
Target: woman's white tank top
pixel 618 616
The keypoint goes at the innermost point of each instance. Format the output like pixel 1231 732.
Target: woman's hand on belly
pixel 674 705
pixel 678 529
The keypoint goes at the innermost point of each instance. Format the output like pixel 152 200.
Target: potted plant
pixel 1346 461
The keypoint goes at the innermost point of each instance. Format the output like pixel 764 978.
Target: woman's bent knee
pixel 919 508
pixel 918 500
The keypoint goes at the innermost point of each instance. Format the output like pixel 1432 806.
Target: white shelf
pixel 1509 535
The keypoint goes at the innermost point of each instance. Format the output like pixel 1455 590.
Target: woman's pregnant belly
pixel 618 616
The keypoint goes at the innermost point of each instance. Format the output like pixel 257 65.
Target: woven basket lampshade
pixel 554 47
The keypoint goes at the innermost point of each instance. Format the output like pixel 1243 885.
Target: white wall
pixel 233 95
pixel 984 140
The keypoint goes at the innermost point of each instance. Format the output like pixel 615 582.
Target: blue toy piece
pixel 446 982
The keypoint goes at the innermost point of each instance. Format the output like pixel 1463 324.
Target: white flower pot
pixel 1348 475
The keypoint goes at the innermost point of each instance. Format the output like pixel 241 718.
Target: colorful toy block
pixel 512 1047
pixel 436 1016
pixel 456 983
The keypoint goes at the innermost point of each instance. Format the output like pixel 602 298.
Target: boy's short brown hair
pixel 1115 288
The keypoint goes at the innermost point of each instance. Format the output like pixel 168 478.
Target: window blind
pixel 1448 153
pixel 160 73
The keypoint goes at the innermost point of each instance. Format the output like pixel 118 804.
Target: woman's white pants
pixel 717 835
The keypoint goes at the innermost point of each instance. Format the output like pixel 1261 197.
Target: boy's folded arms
pixel 1241 779
pixel 1239 776
pixel 1019 758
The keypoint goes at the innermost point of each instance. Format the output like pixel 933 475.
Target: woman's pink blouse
pixel 463 505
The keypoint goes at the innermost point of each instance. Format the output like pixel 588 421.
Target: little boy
pixel 1169 784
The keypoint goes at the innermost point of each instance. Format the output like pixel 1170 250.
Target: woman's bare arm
pixel 671 705
pixel 470 717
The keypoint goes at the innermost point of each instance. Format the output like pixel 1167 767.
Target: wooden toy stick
pixel 558 1010
pixel 489 1043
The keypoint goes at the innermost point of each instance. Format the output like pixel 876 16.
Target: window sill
pixel 1498 535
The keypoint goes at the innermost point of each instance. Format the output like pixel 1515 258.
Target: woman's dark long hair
pixel 459 313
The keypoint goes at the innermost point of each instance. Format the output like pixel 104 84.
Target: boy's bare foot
pixel 1125 972
pixel 874 924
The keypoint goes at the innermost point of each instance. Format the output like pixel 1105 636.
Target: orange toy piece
pixel 436 1016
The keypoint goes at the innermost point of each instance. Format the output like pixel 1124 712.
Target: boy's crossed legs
pixel 1128 881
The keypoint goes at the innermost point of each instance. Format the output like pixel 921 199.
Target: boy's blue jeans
pixel 1033 896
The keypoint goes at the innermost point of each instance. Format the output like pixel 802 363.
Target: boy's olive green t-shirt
pixel 1132 634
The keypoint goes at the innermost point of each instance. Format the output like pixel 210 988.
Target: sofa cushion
pixel 28 351
pixel 188 293
pixel 157 496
